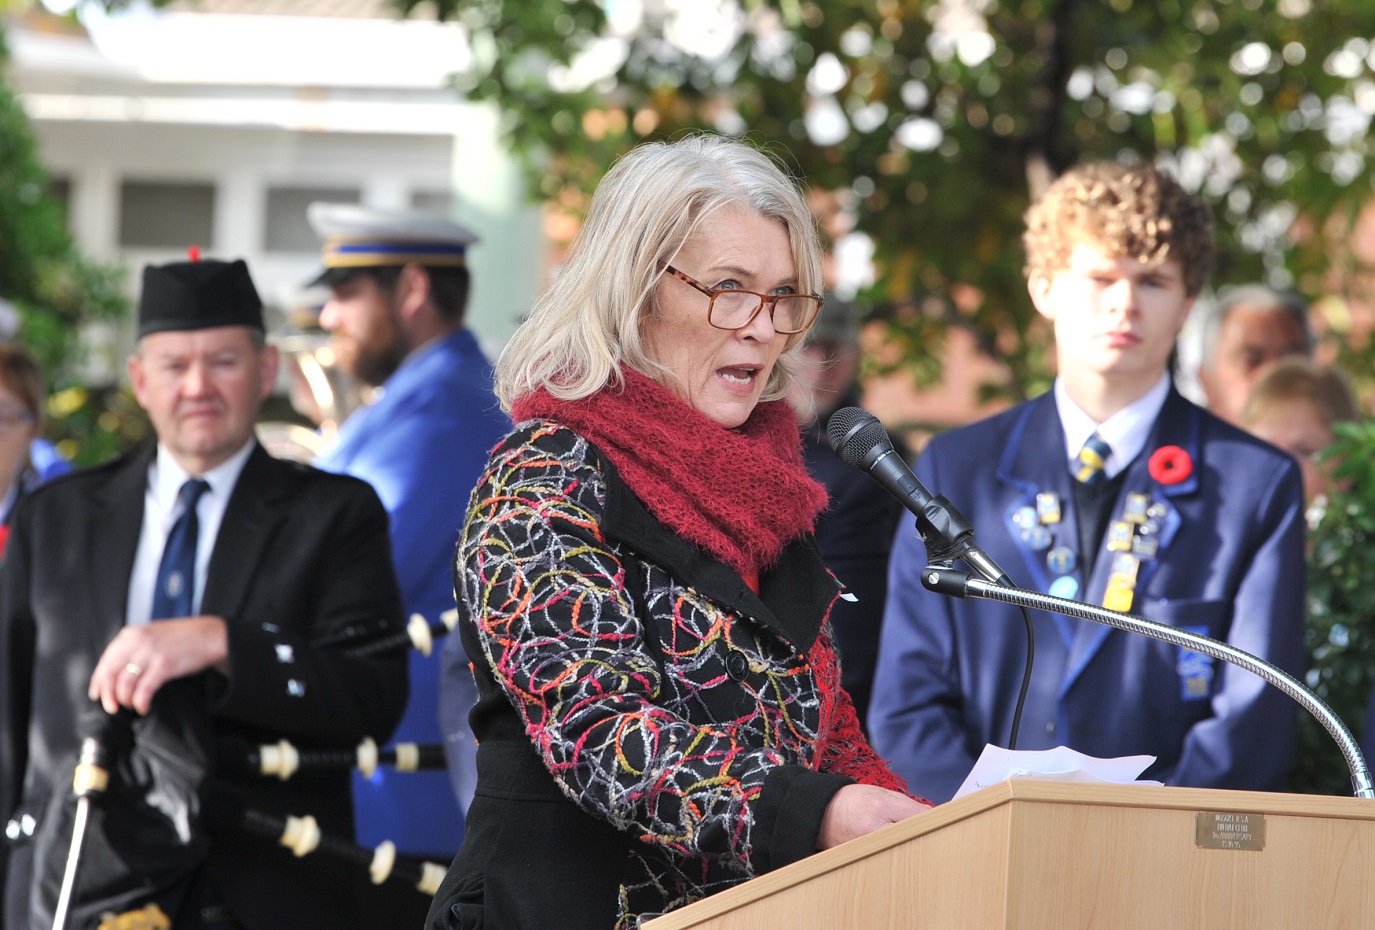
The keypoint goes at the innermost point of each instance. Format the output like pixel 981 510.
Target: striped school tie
pixel 1088 467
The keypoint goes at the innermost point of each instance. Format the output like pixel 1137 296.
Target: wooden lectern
pixel 1034 855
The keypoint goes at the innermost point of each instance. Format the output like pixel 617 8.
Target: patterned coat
pixel 698 729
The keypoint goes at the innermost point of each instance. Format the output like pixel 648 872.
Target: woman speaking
pixel 660 712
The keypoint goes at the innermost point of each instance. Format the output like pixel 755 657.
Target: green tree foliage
pixel 932 124
pixel 1341 610
pixel 56 291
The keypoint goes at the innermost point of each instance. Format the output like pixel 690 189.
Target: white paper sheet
pixel 1059 764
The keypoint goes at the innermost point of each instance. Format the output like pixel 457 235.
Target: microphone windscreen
pixel 854 433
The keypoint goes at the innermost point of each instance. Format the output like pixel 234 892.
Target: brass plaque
pixel 1219 830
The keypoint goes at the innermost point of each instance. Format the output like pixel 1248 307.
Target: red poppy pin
pixel 1170 465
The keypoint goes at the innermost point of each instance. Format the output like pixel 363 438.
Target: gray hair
pixel 644 210
pixel 1261 297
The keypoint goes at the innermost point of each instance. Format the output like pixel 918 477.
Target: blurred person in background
pixel 1245 331
pixel 1294 405
pixel 44 459
pixel 189 590
pixel 854 534
pixel 22 395
pixel 1110 488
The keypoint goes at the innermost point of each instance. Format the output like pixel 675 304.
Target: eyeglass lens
pixel 792 312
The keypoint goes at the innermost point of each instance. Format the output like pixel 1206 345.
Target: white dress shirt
pixel 162 507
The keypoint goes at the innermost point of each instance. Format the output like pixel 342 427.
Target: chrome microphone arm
pixel 949 581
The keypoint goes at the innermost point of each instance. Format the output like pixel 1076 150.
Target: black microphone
pixel 860 441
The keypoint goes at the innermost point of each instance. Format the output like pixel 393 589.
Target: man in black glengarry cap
pixel 190 582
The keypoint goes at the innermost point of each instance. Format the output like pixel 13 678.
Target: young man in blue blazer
pixel 1113 489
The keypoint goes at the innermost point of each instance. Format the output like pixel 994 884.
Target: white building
pixel 214 124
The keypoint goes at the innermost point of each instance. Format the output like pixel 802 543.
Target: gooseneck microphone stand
pixel 944 580
pixel 860 441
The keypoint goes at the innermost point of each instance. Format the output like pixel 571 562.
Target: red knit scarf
pixel 741 494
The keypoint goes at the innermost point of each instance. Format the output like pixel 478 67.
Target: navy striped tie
pixel 1088 467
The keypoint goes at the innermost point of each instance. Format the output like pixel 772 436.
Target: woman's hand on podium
pixel 859 809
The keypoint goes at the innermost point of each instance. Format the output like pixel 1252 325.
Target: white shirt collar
pixel 166 476
pixel 1126 431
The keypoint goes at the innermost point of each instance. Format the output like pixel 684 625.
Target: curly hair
pixel 1132 211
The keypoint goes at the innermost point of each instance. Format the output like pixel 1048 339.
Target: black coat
pixel 300 554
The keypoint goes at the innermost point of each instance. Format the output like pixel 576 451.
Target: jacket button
pixel 737 666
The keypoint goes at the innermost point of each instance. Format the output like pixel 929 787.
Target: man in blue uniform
pixel 399 294
pixel 1111 488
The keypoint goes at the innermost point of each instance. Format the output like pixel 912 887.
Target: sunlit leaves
pixel 936 121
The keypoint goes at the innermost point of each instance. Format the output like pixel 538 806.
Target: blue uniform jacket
pixel 422 445
pixel 1229 563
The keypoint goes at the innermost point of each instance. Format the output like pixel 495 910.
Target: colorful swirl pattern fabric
pixel 655 708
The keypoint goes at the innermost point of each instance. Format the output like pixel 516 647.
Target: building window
pixel 287 228
pixel 157 215
pixel 60 190
pixel 60 193
pixel 439 203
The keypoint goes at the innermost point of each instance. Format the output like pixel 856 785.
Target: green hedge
pixel 1340 637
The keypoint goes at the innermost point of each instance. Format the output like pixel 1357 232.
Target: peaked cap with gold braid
pixel 357 237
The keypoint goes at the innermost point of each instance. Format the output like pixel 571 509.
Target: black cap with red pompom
pixel 198 294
